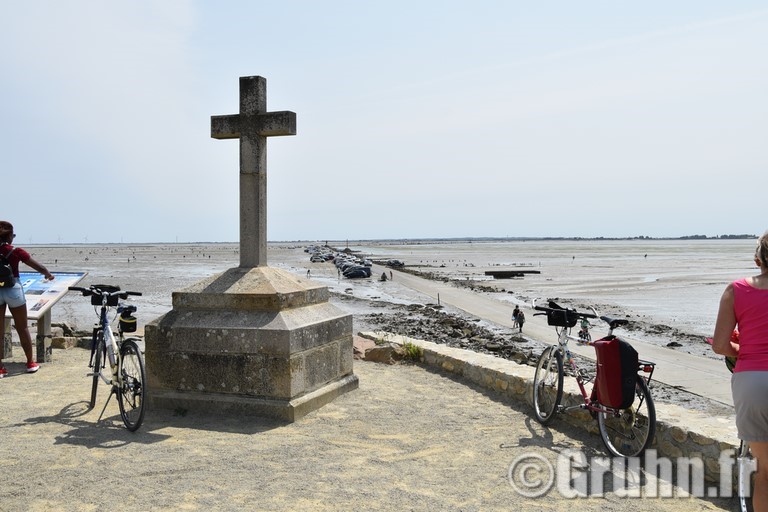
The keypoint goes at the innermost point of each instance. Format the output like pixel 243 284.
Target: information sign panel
pixel 41 294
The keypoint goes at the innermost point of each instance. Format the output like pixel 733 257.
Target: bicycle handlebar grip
pixel 76 288
pixel 133 293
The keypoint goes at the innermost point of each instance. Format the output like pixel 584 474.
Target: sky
pixel 415 119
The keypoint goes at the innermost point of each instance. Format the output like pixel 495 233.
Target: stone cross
pixel 252 126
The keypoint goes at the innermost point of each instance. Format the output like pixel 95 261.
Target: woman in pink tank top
pixel 744 305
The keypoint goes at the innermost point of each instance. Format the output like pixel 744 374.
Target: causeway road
pixel 705 377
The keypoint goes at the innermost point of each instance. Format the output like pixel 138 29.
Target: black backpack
pixel 7 280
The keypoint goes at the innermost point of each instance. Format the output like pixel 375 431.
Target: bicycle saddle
pixel 614 322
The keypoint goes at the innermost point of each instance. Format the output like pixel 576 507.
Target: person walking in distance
pixel 515 313
pixel 520 320
pixel 744 310
pixel 13 295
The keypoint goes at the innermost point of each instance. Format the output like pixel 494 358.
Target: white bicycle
pixel 126 374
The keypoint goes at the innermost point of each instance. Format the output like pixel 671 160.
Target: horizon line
pixel 422 239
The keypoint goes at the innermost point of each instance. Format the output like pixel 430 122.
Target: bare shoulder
pixel 759 281
pixel 727 297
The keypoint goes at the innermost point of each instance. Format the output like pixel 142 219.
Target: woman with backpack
pixel 12 294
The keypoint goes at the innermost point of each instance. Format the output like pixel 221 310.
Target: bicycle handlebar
pixel 108 290
pixel 555 307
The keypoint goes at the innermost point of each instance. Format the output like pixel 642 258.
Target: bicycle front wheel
pixel 98 357
pixel 548 385
pixel 132 387
pixel 746 466
pixel 628 432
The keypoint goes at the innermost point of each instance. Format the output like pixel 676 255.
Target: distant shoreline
pixel 526 239
pixel 415 241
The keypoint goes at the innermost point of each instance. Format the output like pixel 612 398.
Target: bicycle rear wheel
pixel 548 385
pixel 98 357
pixel 628 432
pixel 131 392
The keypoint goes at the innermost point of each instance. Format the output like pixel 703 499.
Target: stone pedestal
pixel 257 341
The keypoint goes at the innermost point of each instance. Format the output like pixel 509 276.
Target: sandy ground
pixel 407 439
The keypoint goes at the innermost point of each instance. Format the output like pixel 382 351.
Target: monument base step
pixel 219 403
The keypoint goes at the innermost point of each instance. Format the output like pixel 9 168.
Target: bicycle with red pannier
pixel 619 399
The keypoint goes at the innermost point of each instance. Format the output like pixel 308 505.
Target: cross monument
pixel 254 339
pixel 252 126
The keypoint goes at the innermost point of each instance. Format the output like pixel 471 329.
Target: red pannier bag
pixel 617 363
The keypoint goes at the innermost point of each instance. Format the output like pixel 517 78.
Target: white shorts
pixel 14 296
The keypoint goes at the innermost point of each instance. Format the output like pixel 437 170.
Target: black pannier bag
pixel 617 364
pixel 127 323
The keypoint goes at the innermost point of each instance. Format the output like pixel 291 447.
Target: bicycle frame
pixel 113 350
pixel 626 427
pixel 126 363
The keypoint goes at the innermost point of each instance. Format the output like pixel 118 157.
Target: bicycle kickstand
pixel 113 392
